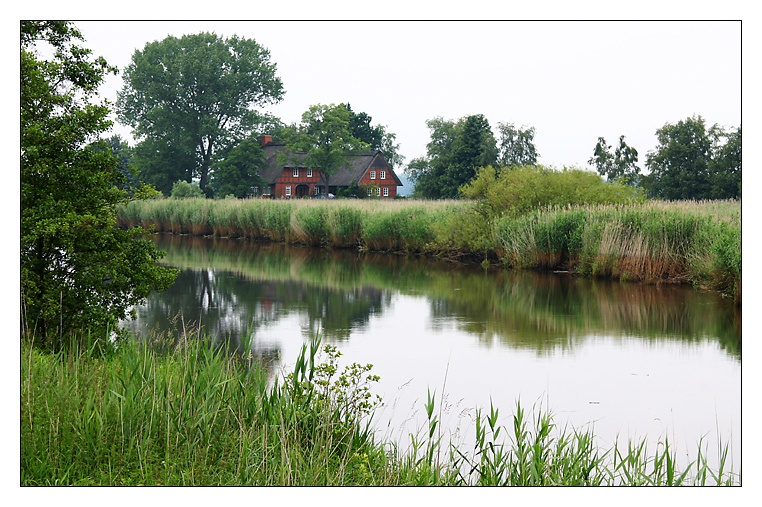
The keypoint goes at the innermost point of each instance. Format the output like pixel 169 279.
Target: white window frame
pixel 370 191
pixel 386 191
pixel 288 190
pixel 296 172
pixel 373 175
pixel 378 190
pixel 266 190
pixel 383 175
pixel 309 173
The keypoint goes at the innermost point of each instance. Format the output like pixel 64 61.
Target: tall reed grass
pixel 692 242
pixel 198 415
pixel 699 243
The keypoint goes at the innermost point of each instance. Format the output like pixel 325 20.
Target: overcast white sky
pixel 572 81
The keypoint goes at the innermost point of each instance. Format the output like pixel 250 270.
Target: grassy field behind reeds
pixel 199 415
pixel 690 242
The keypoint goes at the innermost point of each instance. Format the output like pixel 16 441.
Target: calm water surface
pixel 644 362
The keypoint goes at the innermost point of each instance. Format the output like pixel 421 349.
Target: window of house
pixel 288 189
pixel 383 175
pixel 309 173
pixel 386 191
pixel 373 175
pixel 296 172
pixel 370 190
pixel 255 190
pixel 378 190
pixel 266 191
pixel 316 190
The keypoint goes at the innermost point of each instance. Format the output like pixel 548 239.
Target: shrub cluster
pixel 515 191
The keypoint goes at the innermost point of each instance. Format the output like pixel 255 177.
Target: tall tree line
pixel 458 148
pixel 690 161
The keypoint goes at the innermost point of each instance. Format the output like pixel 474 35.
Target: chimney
pixel 266 139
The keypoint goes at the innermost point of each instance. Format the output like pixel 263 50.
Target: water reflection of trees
pixel 252 284
pixel 229 306
pixel 546 311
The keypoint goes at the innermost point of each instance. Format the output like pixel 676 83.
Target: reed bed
pixel 376 225
pixel 697 243
pixel 688 242
pixel 201 414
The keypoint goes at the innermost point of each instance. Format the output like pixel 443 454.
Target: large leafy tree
pixel 725 166
pixel 619 166
pixel 516 146
pixel 78 271
pixel 679 165
pixel 323 140
pixel 428 172
pixel 454 153
pixel 195 95
pixel 238 171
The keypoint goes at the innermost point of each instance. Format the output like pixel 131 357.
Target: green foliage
pixel 194 415
pixel 162 162
pixel 323 140
pixel 519 190
pixel 183 189
pixel 237 173
pixel 188 97
pixel 693 163
pixel 377 138
pixel 516 146
pixel 353 190
pixel 725 166
pixel 454 153
pixel 617 167
pixel 78 271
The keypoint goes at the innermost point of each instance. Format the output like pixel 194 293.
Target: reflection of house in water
pixel 266 309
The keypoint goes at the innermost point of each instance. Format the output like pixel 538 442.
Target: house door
pixel 302 190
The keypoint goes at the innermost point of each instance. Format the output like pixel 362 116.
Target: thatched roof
pixel 354 168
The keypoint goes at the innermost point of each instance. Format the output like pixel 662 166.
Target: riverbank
pixel 197 414
pixel 653 242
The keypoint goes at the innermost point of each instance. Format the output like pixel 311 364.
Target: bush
pixel 183 189
pixel 516 191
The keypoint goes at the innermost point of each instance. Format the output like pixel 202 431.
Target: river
pixel 644 362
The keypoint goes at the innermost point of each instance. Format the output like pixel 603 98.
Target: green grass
pixel 200 414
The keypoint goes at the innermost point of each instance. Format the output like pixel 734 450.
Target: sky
pixel 573 81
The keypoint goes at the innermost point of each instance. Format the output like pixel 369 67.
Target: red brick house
pixel 368 170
